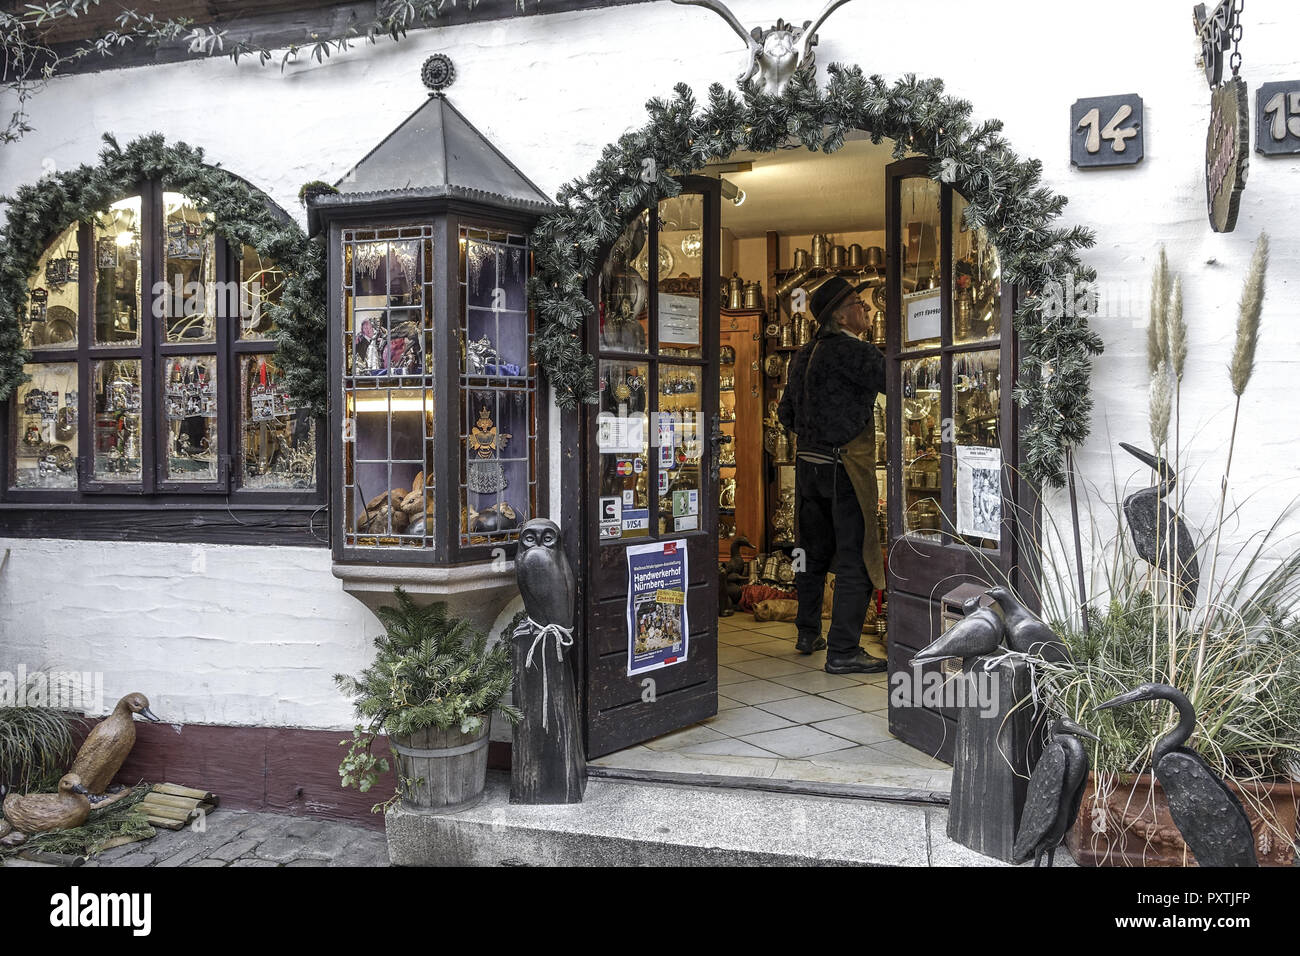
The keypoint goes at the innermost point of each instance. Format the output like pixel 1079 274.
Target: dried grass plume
pixel 1252 304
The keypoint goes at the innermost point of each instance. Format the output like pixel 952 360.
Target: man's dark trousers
pixel 831 528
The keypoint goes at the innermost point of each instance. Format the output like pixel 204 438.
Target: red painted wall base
pixel 273 769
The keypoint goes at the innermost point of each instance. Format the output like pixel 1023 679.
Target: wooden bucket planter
pixel 1132 825
pixel 447 770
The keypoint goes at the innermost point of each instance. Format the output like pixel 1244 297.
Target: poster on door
pixel 979 491
pixel 656 606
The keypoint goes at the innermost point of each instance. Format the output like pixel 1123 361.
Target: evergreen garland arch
pixel 1005 194
pixel 241 214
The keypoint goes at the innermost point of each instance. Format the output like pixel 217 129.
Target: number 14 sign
pixel 1106 131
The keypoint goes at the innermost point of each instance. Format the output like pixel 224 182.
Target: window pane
pixel 54 295
pixel 388 382
pixel 261 283
pixel 921 271
pixel 625 290
pixel 681 272
pixel 190 402
pixel 389 453
pixel 623 440
pixel 498 433
pixel 977 280
pixel 278 442
pixel 680 451
pixel 117 274
pixel 189 269
pixel 922 441
pixel 117 420
pixel 46 437
pixel 976 383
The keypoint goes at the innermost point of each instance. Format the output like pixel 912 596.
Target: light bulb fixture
pixel 733 192
pixel 693 245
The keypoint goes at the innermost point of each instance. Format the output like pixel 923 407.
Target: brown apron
pixel 859 460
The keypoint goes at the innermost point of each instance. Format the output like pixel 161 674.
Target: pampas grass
pixel 1252 304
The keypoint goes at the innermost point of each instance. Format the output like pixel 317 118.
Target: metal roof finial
pixel 438 73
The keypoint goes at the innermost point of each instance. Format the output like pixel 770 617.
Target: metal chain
pixel 1235 61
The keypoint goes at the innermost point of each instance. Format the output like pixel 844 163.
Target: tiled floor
pixel 781 716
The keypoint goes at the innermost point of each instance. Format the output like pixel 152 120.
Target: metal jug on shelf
pixel 754 295
pixel 801 258
pixel 839 257
pixel 736 292
pixel 803 329
pixel 878 328
pixel 821 245
pixel 855 256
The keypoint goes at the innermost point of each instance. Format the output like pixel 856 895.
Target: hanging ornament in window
pixel 485 475
pixel 262 396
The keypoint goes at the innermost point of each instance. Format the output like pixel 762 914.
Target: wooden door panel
pixel 609 623
pixel 620 711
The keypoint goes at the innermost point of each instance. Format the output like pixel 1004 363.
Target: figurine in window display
pixel 829 404
pixel 486 476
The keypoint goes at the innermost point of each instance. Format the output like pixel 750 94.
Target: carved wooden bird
pixel 1026 633
pixel 43 812
pixel 546 579
pixel 1158 530
pixel 1055 792
pixel 1210 817
pixel 108 745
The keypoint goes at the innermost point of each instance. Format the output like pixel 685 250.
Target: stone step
pixel 640 823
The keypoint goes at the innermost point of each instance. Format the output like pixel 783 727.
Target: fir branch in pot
pixel 431 671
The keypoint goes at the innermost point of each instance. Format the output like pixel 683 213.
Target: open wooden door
pixel 651 471
pixel 952 432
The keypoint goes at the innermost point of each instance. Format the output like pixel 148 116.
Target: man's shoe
pixel 807 645
pixel 859 662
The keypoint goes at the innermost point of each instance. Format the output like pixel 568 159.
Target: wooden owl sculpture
pixel 546 578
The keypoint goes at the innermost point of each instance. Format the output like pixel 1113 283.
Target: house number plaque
pixel 1106 131
pixel 1277 112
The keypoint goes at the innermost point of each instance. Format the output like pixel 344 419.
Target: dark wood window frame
pixel 447 216
pixel 155 509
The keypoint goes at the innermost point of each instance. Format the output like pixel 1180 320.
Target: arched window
pixel 153 376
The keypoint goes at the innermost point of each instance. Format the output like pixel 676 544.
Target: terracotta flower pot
pixel 1131 826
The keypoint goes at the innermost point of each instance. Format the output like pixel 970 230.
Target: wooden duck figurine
pixel 42 812
pixel 108 745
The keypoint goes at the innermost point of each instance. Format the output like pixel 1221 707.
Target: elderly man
pixel 829 403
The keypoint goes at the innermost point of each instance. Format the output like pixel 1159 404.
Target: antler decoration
pixel 775 54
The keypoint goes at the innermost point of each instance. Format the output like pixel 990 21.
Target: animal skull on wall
pixel 777 53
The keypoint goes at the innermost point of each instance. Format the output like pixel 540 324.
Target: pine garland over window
pixel 1006 198
pixel 241 214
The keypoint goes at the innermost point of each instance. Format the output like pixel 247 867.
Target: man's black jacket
pixel 831 393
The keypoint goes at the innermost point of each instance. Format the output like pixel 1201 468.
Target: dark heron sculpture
pixel 1026 633
pixel 1054 794
pixel 1208 815
pixel 979 632
pixel 1154 524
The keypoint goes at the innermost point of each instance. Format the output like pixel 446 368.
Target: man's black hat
pixel 830 295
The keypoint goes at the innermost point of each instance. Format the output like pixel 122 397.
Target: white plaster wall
pixel 551 91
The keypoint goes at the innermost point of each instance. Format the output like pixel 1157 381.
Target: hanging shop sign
pixel 657 620
pixel 1106 131
pixel 979 491
pixel 1277 123
pixel 1227 143
pixel 1227 153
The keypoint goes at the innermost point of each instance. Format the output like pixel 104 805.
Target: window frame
pixel 447 216
pixel 64 509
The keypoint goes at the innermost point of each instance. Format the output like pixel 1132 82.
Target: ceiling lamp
pixel 733 192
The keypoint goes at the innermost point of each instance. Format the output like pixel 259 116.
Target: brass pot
pixel 754 295
pixel 839 257
pixel 736 292
pixel 875 258
pixel 801 258
pixel 820 251
pixel 855 256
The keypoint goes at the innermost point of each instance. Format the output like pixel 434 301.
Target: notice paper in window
pixel 979 491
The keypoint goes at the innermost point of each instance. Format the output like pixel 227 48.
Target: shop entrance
pixel 700 307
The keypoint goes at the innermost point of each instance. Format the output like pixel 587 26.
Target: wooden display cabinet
pixel 740 414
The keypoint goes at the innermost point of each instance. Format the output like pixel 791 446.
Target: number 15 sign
pixel 1106 131
pixel 1277 124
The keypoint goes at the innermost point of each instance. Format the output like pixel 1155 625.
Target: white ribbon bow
pixel 563 638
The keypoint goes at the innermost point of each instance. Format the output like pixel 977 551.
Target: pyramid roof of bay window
pixel 436 153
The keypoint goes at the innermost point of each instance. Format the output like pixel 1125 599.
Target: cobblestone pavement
pixel 240 838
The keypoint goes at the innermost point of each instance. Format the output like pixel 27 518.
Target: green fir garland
pixel 241 214
pixel 1006 198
